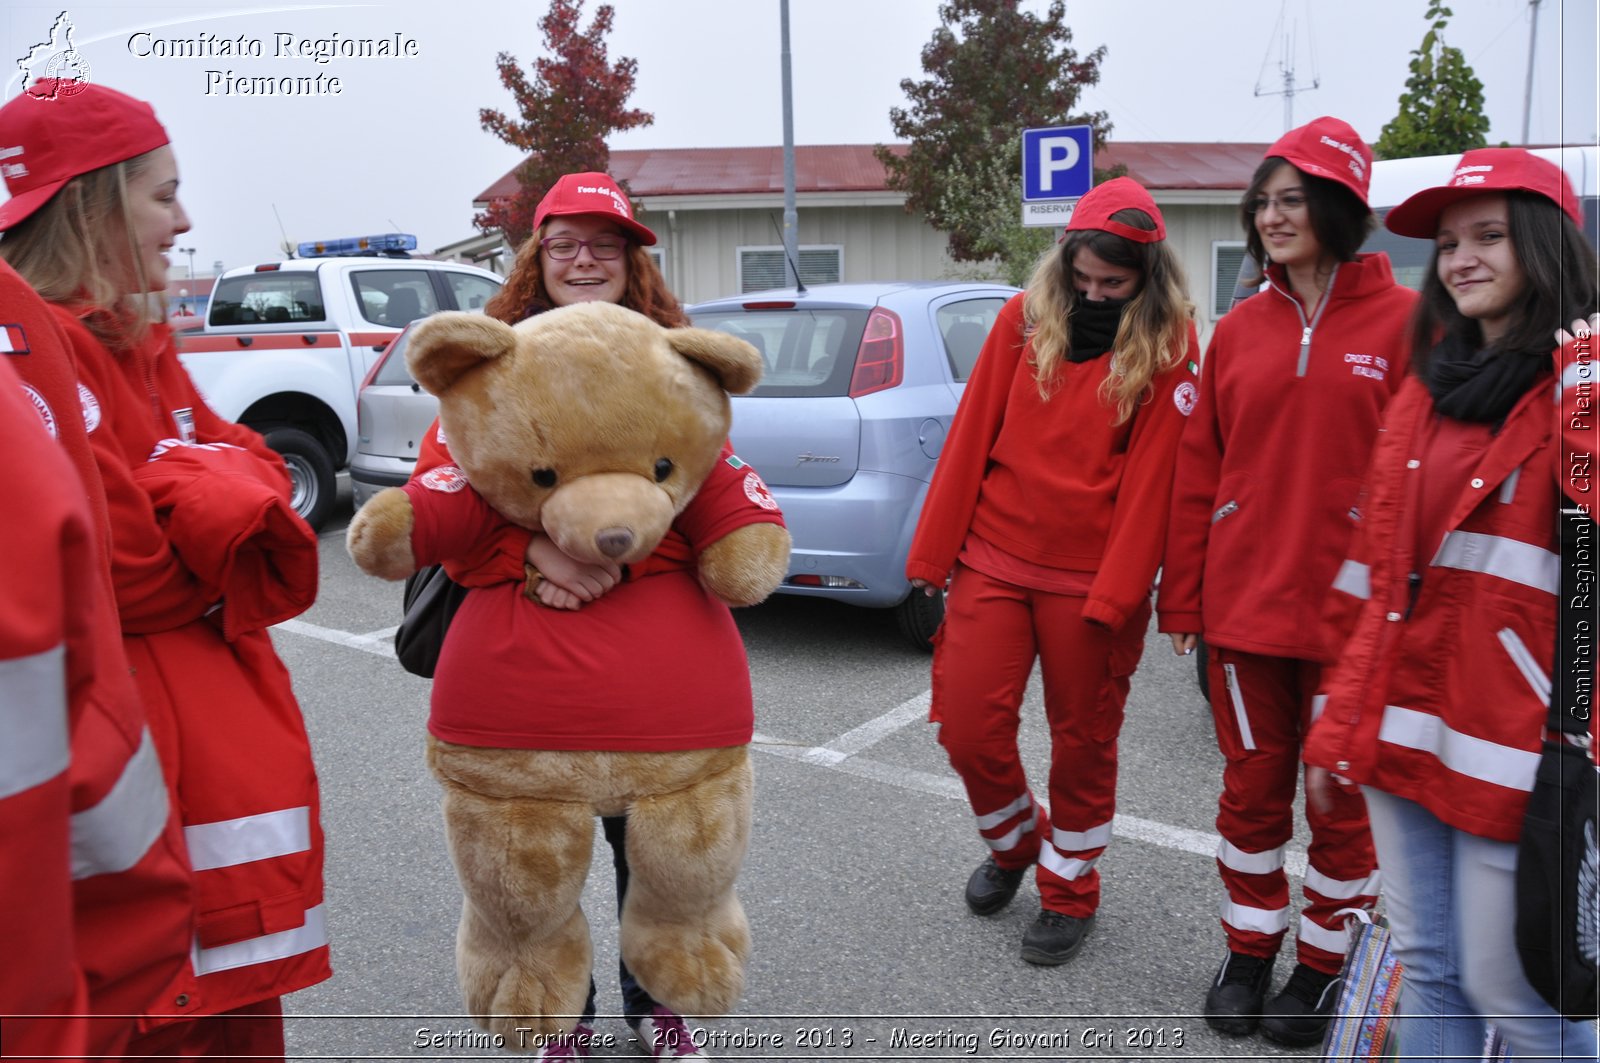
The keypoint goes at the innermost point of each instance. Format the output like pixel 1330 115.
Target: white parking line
pixel 843 755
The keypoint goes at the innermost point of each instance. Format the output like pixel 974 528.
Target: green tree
pixel 993 71
pixel 1441 111
pixel 574 100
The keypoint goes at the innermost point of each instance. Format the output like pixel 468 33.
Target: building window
pixel 1226 258
pixel 764 267
pixel 659 256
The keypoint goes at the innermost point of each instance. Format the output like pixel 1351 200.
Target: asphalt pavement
pixel 862 843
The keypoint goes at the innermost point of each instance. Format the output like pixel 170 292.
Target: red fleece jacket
pixel 1271 463
pixel 1055 482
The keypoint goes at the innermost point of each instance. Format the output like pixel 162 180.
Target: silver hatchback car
pixel 392 414
pixel 861 383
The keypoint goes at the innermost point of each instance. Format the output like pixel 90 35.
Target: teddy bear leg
pixel 522 949
pixel 684 933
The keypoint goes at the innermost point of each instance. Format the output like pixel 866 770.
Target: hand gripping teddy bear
pixel 602 429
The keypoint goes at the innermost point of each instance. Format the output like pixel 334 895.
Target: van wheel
pixel 311 476
pixel 919 616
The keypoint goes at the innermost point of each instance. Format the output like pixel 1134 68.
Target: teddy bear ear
pixel 447 345
pixel 736 364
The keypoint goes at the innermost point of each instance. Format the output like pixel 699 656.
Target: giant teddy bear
pixel 600 428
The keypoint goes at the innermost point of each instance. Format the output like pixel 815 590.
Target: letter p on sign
pixel 1057 163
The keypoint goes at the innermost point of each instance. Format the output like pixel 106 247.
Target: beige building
pixel 718 213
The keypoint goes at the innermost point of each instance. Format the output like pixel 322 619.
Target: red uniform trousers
pixel 252 1033
pixel 1262 707
pixel 992 633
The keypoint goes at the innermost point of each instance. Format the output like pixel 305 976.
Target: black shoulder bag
pixel 1558 855
pixel 430 603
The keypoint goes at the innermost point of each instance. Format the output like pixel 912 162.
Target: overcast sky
pixel 399 147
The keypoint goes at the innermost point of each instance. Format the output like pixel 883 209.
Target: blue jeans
pixel 1451 899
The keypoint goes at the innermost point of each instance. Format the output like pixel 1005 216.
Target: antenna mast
pixel 1286 70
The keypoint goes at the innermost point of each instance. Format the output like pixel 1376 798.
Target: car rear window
pixel 393 372
pixel 808 352
pixel 267 298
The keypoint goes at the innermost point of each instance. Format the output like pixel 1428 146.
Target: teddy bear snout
pixel 614 542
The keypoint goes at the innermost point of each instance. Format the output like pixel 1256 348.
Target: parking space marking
pixel 843 755
pixel 380 643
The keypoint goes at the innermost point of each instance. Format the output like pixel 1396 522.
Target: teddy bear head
pixel 589 422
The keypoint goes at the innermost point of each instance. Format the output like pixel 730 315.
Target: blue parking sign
pixel 1057 163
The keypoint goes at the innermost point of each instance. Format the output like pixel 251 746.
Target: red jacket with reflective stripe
pixel 1054 482
pixel 132 891
pixel 1271 461
pixel 1441 693
pixel 203 555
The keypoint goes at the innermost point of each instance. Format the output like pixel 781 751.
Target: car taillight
pixel 881 358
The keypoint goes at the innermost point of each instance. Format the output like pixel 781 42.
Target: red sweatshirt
pixel 1271 463
pixel 656 663
pixel 1054 482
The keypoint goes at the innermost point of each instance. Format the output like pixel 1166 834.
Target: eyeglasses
pixel 565 248
pixel 1288 203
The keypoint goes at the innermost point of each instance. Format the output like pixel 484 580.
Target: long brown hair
pixel 1151 338
pixel 67 251
pixel 645 291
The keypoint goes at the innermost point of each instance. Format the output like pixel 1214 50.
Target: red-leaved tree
pixel 574 100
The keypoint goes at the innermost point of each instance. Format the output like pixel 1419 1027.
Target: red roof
pixel 853 168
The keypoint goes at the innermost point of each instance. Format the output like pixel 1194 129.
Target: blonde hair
pixel 79 250
pixel 1151 338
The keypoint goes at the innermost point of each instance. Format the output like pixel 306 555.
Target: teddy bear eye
pixel 544 477
pixel 663 469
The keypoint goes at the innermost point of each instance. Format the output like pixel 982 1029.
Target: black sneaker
pixel 991 886
pixel 1054 938
pixel 1236 996
pixel 1299 1015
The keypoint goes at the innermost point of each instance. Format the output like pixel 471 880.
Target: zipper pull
pixel 1305 338
pixel 1413 591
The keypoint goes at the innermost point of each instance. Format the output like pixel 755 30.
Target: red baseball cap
pixel 1094 211
pixel 1485 170
pixel 591 193
pixel 58 130
pixel 1331 148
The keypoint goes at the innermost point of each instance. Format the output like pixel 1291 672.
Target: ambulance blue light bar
pixel 386 244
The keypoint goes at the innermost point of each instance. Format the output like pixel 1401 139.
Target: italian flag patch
pixel 1194 367
pixel 734 462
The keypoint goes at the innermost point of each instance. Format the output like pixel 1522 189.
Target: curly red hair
pixel 524 293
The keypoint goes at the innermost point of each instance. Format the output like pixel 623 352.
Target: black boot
pixel 991 886
pixel 1055 937
pixel 1299 1015
pixel 1237 994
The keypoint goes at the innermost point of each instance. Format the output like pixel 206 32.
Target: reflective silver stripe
pixel 1318 703
pixel 1523 659
pixel 1508 559
pixel 1073 841
pixel 33 719
pixel 240 841
pixel 312 934
pixel 1236 859
pixel 1261 920
pixel 115 834
pixel 1011 837
pixel 1355 579
pixel 1334 941
pixel 1245 736
pixel 1339 889
pixel 994 819
pixel 1476 758
pixel 1069 868
pixel 1579 372
pixel 1508 490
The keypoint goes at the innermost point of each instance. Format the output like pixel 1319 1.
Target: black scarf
pixel 1480 386
pixel 1094 327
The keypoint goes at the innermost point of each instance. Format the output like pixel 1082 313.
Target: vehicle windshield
pixel 807 352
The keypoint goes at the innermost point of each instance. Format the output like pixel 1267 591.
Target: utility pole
pixel 1527 89
pixel 791 220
